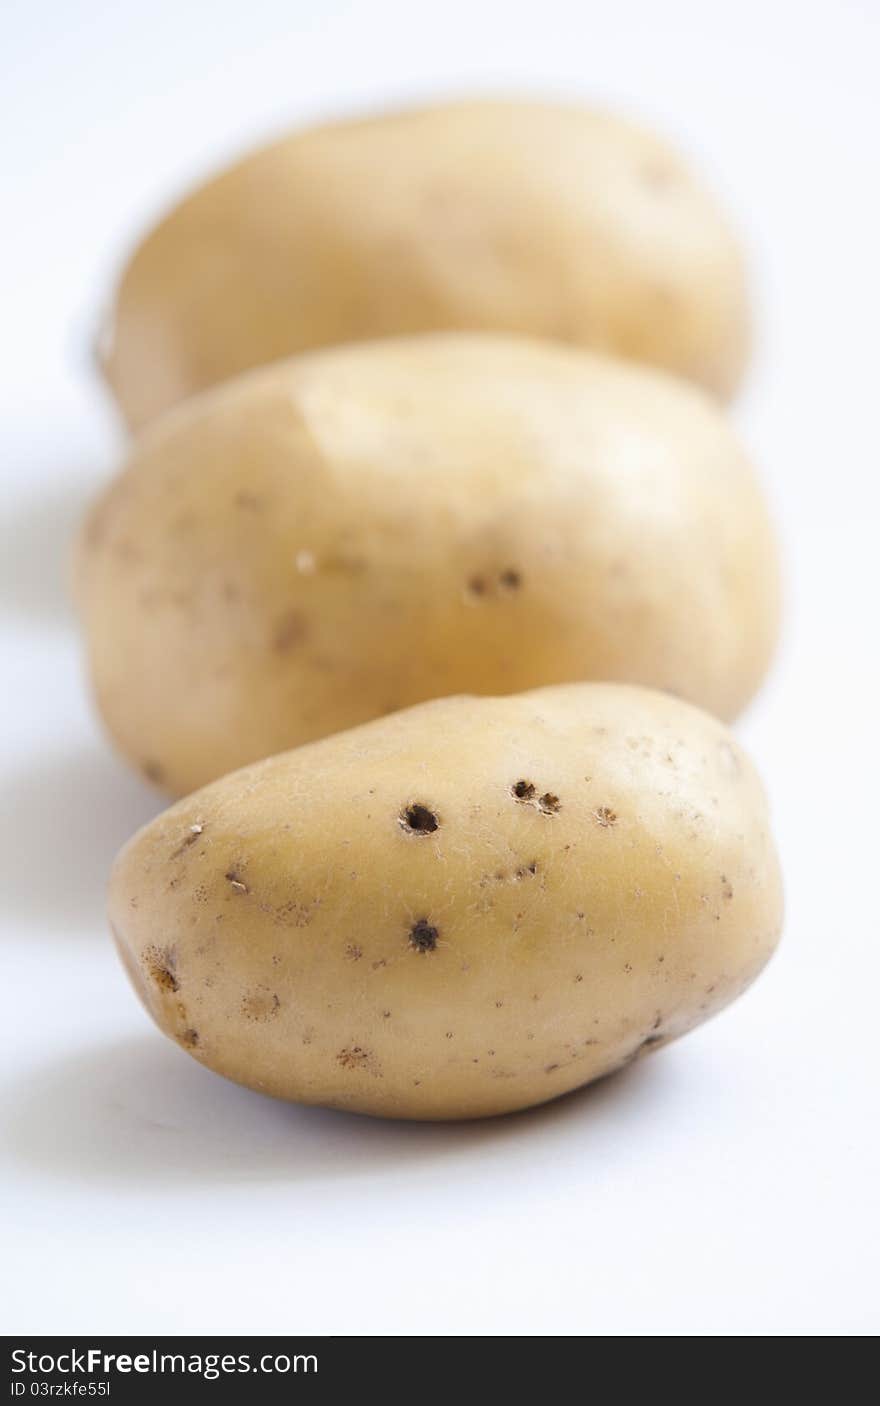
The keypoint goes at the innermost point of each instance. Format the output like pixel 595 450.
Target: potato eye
pixel 423 936
pixel 418 819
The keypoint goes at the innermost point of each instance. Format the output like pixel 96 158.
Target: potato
pixel 462 909
pixel 502 216
pixel 345 534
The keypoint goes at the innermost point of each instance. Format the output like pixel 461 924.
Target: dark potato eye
pixel 423 936
pixel 418 819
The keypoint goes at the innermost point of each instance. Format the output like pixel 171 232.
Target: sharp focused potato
pixel 504 216
pixel 459 910
pixel 345 534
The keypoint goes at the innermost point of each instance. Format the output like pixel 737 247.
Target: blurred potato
pixel 540 218
pixel 344 534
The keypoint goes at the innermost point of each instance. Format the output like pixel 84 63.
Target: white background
pixel 729 1186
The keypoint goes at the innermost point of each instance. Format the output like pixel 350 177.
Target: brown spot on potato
pixel 605 816
pixel 160 964
pixel 510 580
pixel 260 1005
pixel 251 502
pixel 353 952
pixel 353 1057
pixel 726 888
pixel 418 819
pixel 237 883
pixel 423 936
pixel 190 1038
pixel 549 804
pixel 289 631
pixel 290 914
pixel 523 790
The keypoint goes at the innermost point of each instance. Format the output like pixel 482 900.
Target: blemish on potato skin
pixel 353 952
pixel 418 819
pixel 605 816
pixel 236 882
pixel 482 584
pixel 160 963
pixel 353 1057
pixel 423 936
pixel 189 838
pixel 518 875
pixel 260 1005
pixel 190 1038
pixel 524 792
pixel 290 630
pixel 290 914
pixel 251 502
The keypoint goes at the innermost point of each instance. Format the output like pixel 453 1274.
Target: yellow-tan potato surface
pixel 545 219
pixel 353 531
pixel 462 909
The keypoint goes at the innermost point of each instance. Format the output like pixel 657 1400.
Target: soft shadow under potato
pixel 136 1111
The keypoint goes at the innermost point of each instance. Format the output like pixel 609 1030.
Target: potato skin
pixel 345 534
pixel 550 220
pixel 586 873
